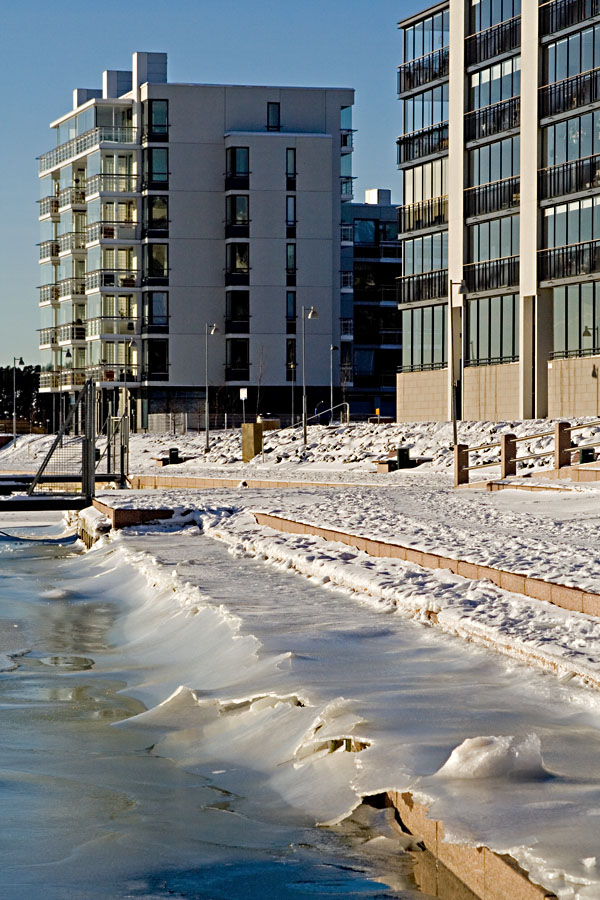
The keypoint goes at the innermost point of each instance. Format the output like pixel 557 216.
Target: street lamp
pixel 462 290
pixel 15 363
pixel 310 314
pixel 209 329
pixel 332 350
pixel 293 373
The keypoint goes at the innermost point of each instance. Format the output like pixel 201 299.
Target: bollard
pixel 508 455
pixel 562 444
pixel 461 464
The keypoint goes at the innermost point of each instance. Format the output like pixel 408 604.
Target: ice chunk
pixel 503 756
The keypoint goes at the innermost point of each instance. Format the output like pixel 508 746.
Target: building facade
pixel 169 209
pixel 370 337
pixel 500 162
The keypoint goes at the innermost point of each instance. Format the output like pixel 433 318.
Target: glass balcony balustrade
pixel 49 381
pixel 48 337
pixel 237 373
pixel 75 331
pixel 103 325
pixel 48 207
pixel 111 184
pixel 237 326
pixel 83 143
pixel 347 234
pixel 48 250
pixel 119 373
pixel 71 287
pixel 49 293
pixel 112 231
pixel 111 278
pixel 73 240
pixel 346 327
pixel 71 196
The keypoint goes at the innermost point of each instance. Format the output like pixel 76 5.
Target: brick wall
pixel 573 387
pixel 491 393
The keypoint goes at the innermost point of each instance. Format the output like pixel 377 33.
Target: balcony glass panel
pixel 111 278
pixel 84 142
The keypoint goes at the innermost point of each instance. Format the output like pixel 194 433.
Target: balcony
pixel 346 279
pixel 493 41
pixel 347 234
pixel 347 140
pixel 110 325
pixel 494 119
pixel 111 231
pixel 569 261
pixel 48 250
pixel 71 287
pixel 346 328
pixel 69 333
pixel 561 14
pixel 346 375
pixel 426 286
pixel 49 293
pixel 425 214
pixel 111 184
pixel 347 187
pixel 111 278
pixel 48 207
pixel 49 381
pixel 376 294
pixel 71 196
pixel 72 378
pixel 422 143
pixel 564 96
pixel 424 70
pixel 83 143
pixel 73 240
pixel 390 337
pixel 119 373
pixel 237 373
pixel 492 197
pixel 492 274
pixel 567 178
pixel 236 277
pixel 48 337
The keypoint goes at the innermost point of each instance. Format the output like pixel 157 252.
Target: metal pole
pixel 293 388
pixel 451 366
pixel 206 421
pixel 331 384
pixel 304 428
pixel 15 399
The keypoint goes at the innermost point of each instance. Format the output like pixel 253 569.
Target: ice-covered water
pixel 89 811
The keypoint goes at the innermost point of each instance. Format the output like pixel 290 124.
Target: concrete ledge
pixel 571 598
pixel 486 875
pixel 122 518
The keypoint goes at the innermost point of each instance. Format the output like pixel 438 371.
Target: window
pixel 156 311
pixel 273 117
pixel 571 55
pixel 290 312
pixel 290 211
pixel 156 360
pixel 425 109
pixel 156 167
pixel 290 359
pixel 155 262
pixel 237 359
pixel 425 254
pixel 425 182
pixel 157 112
pixel 424 338
pixel 571 223
pixel 431 34
pixel 486 13
pixel 238 161
pixel 290 162
pixel 571 139
pixel 290 259
pixel 237 209
pixel 493 330
pixel 577 319
pixel 495 239
pixel 238 257
pixel 365 231
pixel 495 83
pixel 156 214
pixel 492 162
pixel 237 305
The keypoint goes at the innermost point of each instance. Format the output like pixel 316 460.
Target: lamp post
pixel 209 329
pixel 332 350
pixel 462 290
pixel 15 363
pixel 293 372
pixel 311 314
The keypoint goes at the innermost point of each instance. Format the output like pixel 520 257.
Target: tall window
pixel 486 13
pixel 238 257
pixel 571 223
pixel 290 210
pixel 495 83
pixel 156 214
pixel 290 168
pixel 577 319
pixel 156 167
pixel 290 312
pixel 572 139
pixel 424 338
pixel 493 330
pixel 237 209
pixel 290 359
pixel 290 259
pixel 571 55
pixel 430 34
pixel 273 116
pixel 425 109
pixel 492 162
pixel 155 263
pixel 157 112
pixel 237 311
pixel 238 161
pixel 156 311
pixel 237 356
pixel 156 360
pixel 495 239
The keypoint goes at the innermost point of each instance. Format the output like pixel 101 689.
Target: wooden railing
pixel 508 458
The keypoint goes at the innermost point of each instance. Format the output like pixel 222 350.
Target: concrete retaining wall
pixel 491 393
pixel 574 387
pixel 422 396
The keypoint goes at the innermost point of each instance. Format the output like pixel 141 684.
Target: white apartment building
pixel 168 209
pixel 500 161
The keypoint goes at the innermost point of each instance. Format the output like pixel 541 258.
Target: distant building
pixel 370 338
pixel 500 161
pixel 169 208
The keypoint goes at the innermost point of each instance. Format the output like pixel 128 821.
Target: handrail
pixel 344 405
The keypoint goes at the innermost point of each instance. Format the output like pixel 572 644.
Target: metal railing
pixel 111 278
pixel 492 197
pixel 425 286
pixel 493 119
pixel 492 274
pixel 111 184
pixel 570 260
pixel 71 332
pixel 493 41
pixel 347 139
pixel 48 249
pixel 111 231
pixel 570 93
pixel 428 68
pixel 346 326
pixel 560 14
pixel 110 325
pixel 114 372
pixel 566 178
pixel 423 367
pixel 505 451
pixel 425 142
pixel 425 214
pixel 73 240
pixel 347 234
pixel 71 286
pixel 47 336
pixel 71 196
pixel 48 293
pixel 84 142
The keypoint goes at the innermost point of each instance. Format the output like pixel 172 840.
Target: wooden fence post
pixel 508 455
pixel 562 444
pixel 461 464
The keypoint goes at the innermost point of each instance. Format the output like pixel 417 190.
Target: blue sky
pixel 50 48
